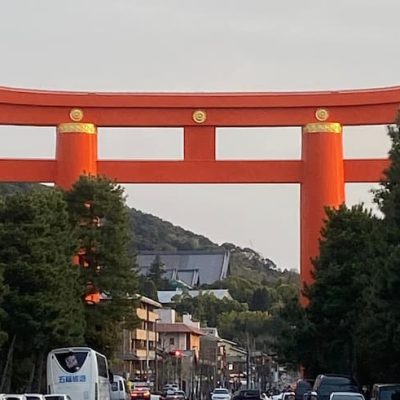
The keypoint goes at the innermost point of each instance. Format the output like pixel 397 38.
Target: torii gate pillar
pixel 76 152
pixel 322 186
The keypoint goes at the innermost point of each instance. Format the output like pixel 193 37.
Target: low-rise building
pixel 139 345
pixel 180 344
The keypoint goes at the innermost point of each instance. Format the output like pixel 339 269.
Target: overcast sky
pixel 208 45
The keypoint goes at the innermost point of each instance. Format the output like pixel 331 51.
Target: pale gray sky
pixel 208 45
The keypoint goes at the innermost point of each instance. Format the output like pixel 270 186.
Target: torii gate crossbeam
pixel 321 172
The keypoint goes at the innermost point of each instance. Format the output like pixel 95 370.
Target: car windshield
pixel 355 396
pixel 328 388
pixel 250 393
pixel 221 391
pixel 54 397
pixel 389 392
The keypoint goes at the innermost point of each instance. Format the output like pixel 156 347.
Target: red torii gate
pixel 321 172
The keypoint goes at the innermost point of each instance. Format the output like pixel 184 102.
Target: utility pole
pixel 156 355
pixel 248 360
pixel 248 367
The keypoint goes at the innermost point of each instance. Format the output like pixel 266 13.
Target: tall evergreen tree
pixel 97 210
pixel 261 300
pixel 147 288
pixel 342 275
pixel 156 274
pixel 43 306
pixel 3 333
pixel 381 327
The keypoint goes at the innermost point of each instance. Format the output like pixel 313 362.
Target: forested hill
pixel 153 233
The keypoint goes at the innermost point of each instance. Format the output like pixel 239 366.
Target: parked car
pixel 325 384
pixel 385 391
pixel 140 393
pixel 14 397
pixel 288 396
pixel 176 395
pixel 57 397
pixel 346 396
pixel 25 396
pixel 220 394
pixel 247 394
pixel 302 386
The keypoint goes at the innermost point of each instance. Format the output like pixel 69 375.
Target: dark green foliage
pixel 261 300
pixel 388 196
pixel 3 289
pixel 295 338
pixel 342 275
pixel 206 307
pixel 42 305
pixel 380 327
pixel 254 330
pixel 97 210
pixel 146 287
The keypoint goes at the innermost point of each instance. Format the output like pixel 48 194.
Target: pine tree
pixel 97 210
pixel 261 300
pixel 156 274
pixel 42 303
pixel 147 288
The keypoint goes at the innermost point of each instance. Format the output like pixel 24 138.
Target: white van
pixel 119 389
pixel 56 396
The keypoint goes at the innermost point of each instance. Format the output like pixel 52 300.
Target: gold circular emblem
pixel 199 116
pixel 322 114
pixel 76 114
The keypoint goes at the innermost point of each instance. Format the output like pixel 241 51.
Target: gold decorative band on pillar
pixel 77 127
pixel 323 127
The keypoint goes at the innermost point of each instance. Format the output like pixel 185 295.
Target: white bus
pixel 79 372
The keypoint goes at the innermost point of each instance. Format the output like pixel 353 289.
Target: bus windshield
pixel 71 361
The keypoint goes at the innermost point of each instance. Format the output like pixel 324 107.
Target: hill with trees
pixel 153 233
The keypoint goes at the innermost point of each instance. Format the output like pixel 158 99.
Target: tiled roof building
pixel 194 268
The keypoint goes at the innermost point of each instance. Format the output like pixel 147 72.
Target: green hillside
pixel 153 233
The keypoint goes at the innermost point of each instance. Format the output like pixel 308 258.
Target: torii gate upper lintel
pixel 321 172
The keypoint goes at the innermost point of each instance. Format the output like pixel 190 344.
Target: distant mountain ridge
pixel 153 233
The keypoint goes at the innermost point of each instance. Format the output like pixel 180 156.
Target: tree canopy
pixel 98 212
pixel 42 305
